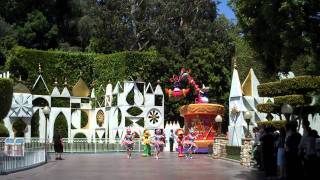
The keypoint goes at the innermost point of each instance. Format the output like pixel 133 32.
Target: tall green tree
pixel 280 30
pixel 37 32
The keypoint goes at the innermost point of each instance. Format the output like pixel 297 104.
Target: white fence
pixel 34 153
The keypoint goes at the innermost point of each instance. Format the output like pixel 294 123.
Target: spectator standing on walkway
pixel 58 145
pixel 171 140
pixel 268 151
pixel 293 161
pixel 307 149
pixel 281 153
pixel 256 147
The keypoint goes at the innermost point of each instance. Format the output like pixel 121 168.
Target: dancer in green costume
pixel 146 139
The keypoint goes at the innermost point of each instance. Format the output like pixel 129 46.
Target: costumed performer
pixel 128 142
pixel 159 141
pixel 146 140
pixel 189 144
pixel 180 136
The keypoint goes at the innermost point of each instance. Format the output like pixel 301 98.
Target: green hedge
pixel 275 124
pixel 80 135
pixel 6 92
pixel 3 131
pixel 94 67
pixel 293 100
pixel 297 85
pixel 268 108
pixel 233 150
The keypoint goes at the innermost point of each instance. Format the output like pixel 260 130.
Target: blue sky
pixel 223 8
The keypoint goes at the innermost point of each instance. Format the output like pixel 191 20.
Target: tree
pixel 280 31
pixel 36 32
pixel 139 25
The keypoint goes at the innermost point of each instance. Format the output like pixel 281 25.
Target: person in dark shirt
pixel 293 161
pixel 171 140
pixel 58 146
pixel 268 152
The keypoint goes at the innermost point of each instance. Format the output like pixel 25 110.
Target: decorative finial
pixel 93 83
pixel 158 81
pixel 235 66
pixel 56 81
pixel 65 81
pixel 40 69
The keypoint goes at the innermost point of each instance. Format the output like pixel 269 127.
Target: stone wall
pixel 219 147
pixel 246 152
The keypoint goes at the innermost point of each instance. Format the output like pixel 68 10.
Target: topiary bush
pixel 61 126
pixel 80 135
pixel 268 108
pixel 293 100
pixel 3 131
pixel 275 124
pixel 297 85
pixel 6 93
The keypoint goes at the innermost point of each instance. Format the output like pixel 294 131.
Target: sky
pixel 223 8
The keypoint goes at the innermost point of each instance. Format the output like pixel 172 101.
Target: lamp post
pixel 247 118
pixel 218 120
pixel 46 110
pixel 287 110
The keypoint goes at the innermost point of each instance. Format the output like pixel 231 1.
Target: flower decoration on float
pixel 182 85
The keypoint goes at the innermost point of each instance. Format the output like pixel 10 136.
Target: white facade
pixel 106 118
pixel 244 98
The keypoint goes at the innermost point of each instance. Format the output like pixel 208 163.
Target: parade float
pixel 198 116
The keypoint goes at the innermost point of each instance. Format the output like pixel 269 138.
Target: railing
pixel 35 151
pixel 34 154
pixel 98 146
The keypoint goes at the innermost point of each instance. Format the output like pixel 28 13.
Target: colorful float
pixel 198 116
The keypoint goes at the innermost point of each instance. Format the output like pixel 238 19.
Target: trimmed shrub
pixel 3 131
pixel 19 126
pixel 80 135
pixel 275 124
pixel 293 100
pixel 268 108
pixel 297 85
pixel 61 126
pixel 6 93
pixel 233 152
pixel 84 119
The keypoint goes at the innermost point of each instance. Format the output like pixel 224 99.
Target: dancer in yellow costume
pixel 146 140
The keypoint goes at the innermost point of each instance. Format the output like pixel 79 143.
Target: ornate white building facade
pixel 128 104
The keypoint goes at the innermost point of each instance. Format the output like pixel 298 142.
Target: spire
pixel 236 89
pixel 235 66
pixel 39 69
pixel 65 82
pixel 56 81
pixel 250 84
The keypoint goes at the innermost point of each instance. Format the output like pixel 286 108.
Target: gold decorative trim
pixel 194 109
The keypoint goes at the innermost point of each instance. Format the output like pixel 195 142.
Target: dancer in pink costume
pixel 128 142
pixel 159 141
pixel 189 144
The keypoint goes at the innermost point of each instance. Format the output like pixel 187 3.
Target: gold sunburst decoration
pixel 100 118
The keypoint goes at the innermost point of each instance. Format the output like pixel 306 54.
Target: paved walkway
pixel 115 166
